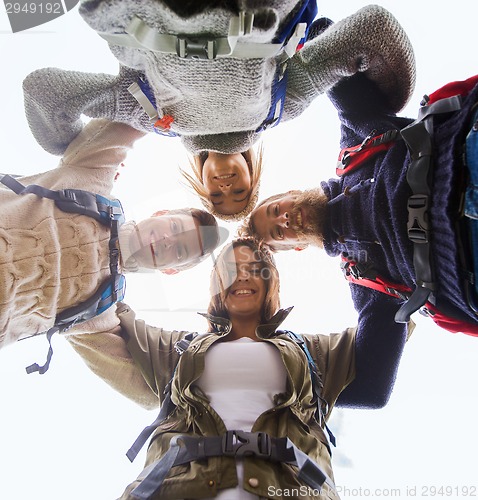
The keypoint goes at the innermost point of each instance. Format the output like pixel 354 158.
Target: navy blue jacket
pixel 371 224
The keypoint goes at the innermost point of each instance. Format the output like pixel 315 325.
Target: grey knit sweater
pixel 216 104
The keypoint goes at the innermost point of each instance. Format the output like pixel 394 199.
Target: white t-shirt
pixel 241 378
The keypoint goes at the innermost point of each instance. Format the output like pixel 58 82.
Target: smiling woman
pixel 228 180
pixel 244 391
pixel 244 288
pixel 227 184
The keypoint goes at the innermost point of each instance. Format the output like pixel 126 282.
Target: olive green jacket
pixel 293 414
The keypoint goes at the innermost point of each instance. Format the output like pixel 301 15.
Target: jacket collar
pixel 266 330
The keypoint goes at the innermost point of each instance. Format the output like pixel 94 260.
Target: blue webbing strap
pixel 72 200
pixel 145 87
pixel 111 291
pixel 166 407
pixel 40 191
pixel 154 475
pixel 316 381
pixel 164 411
pixel 278 91
pixel 306 14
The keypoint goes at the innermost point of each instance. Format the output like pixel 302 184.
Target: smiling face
pixel 279 220
pixel 246 295
pixel 166 241
pixel 293 218
pixel 227 179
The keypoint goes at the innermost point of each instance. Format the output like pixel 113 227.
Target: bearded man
pixel 395 216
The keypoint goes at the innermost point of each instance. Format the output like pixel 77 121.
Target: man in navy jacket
pixel 363 215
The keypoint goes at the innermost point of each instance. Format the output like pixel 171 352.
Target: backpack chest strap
pixel 195 46
pixel 72 200
pixel 418 136
pixel 234 443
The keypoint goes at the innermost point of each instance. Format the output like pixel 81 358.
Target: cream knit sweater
pixel 51 260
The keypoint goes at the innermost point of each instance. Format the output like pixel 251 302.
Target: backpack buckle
pixel 68 195
pixel 181 345
pixel 417 226
pixel 196 48
pixel 241 443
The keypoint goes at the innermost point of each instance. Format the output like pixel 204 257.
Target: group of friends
pixel 244 404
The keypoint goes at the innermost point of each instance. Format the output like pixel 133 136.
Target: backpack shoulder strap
pixel 107 212
pixel 77 201
pixel 317 384
pixel 354 157
pixel 167 405
pixel 290 39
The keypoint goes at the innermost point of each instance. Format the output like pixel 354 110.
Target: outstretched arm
pixel 55 99
pixel 101 144
pixel 102 347
pixel 379 344
pixel 370 41
pixel 135 359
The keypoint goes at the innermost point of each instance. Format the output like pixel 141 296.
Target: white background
pixel 63 435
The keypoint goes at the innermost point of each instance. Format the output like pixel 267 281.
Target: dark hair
pixel 188 8
pixel 209 238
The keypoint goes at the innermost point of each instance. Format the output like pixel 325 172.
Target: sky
pixel 65 434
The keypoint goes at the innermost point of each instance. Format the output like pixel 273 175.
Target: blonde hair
pixel 254 162
pixel 219 284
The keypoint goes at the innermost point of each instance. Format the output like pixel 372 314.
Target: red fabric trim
pixel 378 284
pixel 359 157
pixel 447 323
pixel 361 153
pixel 459 87
pixel 451 324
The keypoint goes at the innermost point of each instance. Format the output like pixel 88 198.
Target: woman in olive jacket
pixel 244 381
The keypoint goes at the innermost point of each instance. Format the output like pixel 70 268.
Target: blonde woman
pixel 218 106
pixel 228 185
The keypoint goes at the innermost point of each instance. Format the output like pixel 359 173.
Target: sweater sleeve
pixel 55 99
pixel 101 144
pixel 370 41
pixel 101 345
pixel 379 344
